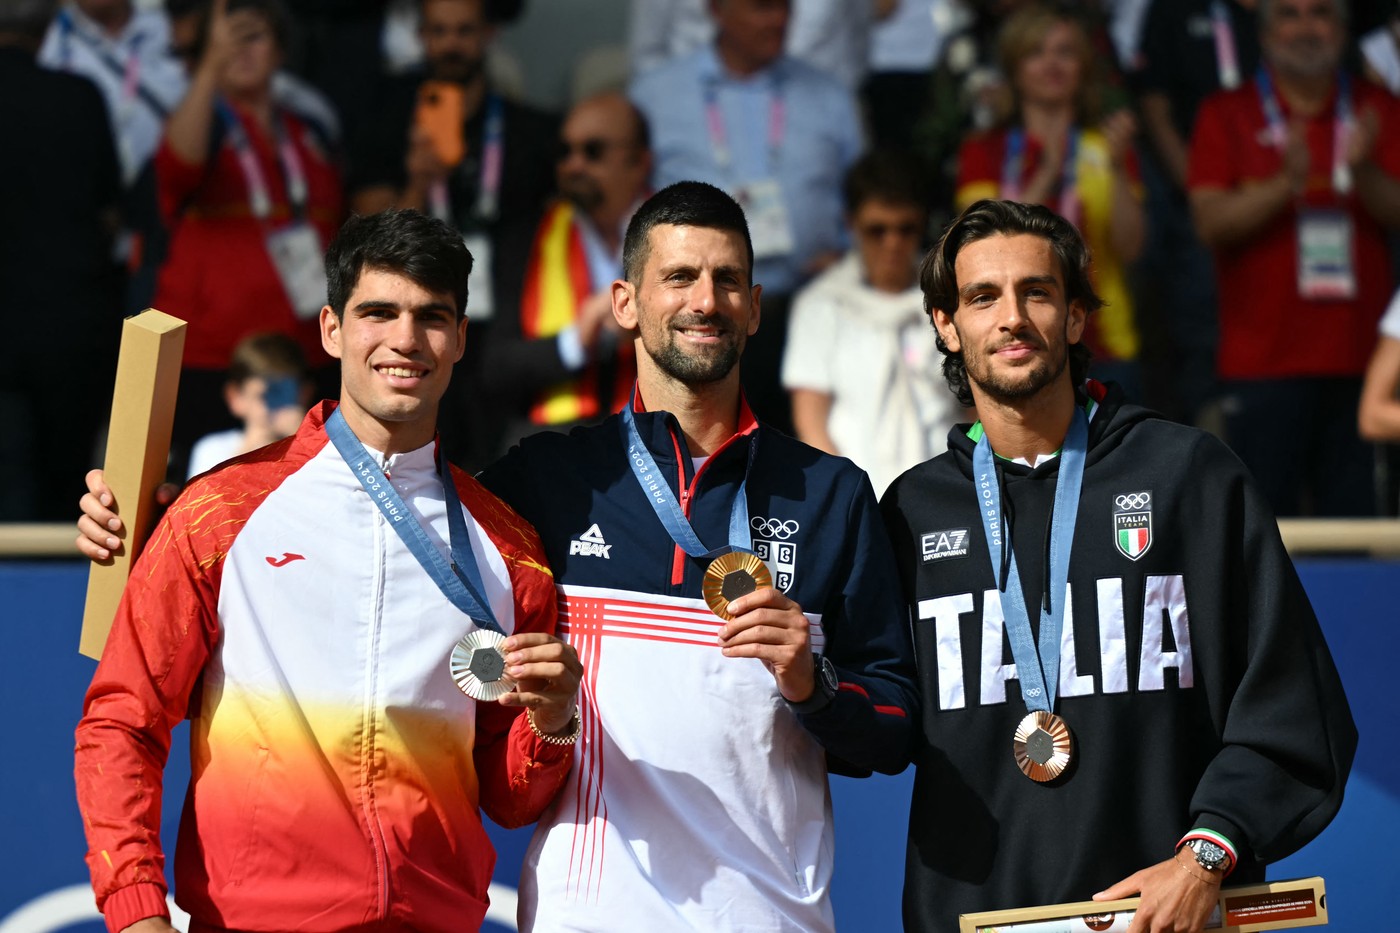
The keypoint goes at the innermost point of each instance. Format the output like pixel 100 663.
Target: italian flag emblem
pixel 1132 523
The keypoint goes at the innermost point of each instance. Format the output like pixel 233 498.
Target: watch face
pixel 1208 854
pixel 830 681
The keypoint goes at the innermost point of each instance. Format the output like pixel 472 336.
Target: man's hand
pixel 1177 895
pixel 546 672
pixel 1296 158
pixel 769 626
pixel 423 167
pixel 1361 143
pixel 151 925
pixel 1118 130
pixel 100 531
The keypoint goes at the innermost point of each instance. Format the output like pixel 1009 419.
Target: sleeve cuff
pixel 571 348
pixel 127 905
pixel 1217 837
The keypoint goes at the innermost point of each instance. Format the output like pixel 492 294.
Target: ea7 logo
pixel 1132 523
pixel 937 545
pixel 591 544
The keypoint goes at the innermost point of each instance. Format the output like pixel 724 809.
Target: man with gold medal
pixel 1125 690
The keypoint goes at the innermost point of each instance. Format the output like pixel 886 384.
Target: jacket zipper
pixel 369 746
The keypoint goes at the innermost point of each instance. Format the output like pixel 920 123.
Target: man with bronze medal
pixel 312 604
pixel 1175 717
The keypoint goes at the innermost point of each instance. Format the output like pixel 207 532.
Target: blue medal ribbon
pixel 459 580
pixel 669 511
pixel 1039 673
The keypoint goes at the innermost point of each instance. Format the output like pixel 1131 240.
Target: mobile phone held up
pixel 441 114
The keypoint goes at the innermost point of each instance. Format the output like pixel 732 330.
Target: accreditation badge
pixel 1326 255
pixel 480 297
pixel 296 252
pixel 479 666
pixel 1043 746
pixel 770 226
pixel 730 576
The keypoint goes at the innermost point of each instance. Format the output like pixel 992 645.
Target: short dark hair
pixel 684 204
pixel 989 218
pixel 267 354
pixel 890 175
pixel 404 242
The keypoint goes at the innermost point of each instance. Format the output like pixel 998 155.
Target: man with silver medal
pixel 354 539
pixel 1121 562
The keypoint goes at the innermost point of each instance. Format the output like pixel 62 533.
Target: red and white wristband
pixel 1211 836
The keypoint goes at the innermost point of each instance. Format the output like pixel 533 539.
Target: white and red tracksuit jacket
pixel 337 770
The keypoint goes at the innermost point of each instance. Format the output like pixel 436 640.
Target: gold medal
pixel 479 667
pixel 1043 746
pixel 730 576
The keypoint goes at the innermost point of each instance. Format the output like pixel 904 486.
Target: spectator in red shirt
pixel 251 197
pixel 1294 178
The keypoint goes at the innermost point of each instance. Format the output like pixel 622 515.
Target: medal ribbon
pixel 1013 167
pixel 1341 125
pixel 459 580
pixel 1039 674
pixel 669 511
pixel 259 200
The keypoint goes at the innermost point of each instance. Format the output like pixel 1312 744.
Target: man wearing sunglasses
pixel 860 362
pixel 557 358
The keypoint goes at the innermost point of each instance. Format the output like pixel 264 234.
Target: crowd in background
pixel 1234 165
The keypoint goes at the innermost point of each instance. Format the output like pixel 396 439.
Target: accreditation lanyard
pixel 129 71
pixel 488 190
pixel 259 194
pixel 719 138
pixel 1014 164
pixel 459 580
pixel 1227 60
pixel 668 510
pixel 1341 125
pixel 1039 674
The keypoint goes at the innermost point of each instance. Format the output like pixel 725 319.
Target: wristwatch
pixel 827 683
pixel 1209 856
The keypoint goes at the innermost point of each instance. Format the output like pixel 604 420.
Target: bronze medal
pixel 479 667
pixel 1042 746
pixel 730 576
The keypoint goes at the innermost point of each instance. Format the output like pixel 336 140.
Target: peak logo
pixel 591 544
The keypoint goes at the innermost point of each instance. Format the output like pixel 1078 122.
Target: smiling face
pixel 396 344
pixel 692 306
pixel 1052 71
pixel 1013 324
pixel 1303 38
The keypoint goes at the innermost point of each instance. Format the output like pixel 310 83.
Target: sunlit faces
pixel 693 306
pixel 887 238
pixel 257 56
pixel 396 347
pixel 1304 38
pixel 455 34
pixel 1053 71
pixel 1014 324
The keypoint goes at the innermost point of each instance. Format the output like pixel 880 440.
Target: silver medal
pixel 479 666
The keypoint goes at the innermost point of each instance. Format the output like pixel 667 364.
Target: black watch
pixel 824 690
pixel 1209 856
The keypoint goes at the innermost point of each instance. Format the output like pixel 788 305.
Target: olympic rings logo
pixel 774 528
pixel 1134 500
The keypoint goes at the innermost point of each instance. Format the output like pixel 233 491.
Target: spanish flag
pixel 557 281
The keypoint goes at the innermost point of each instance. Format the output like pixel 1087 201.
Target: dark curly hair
pixel 988 218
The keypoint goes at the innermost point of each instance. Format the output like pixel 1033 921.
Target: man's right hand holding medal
pixel 765 624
